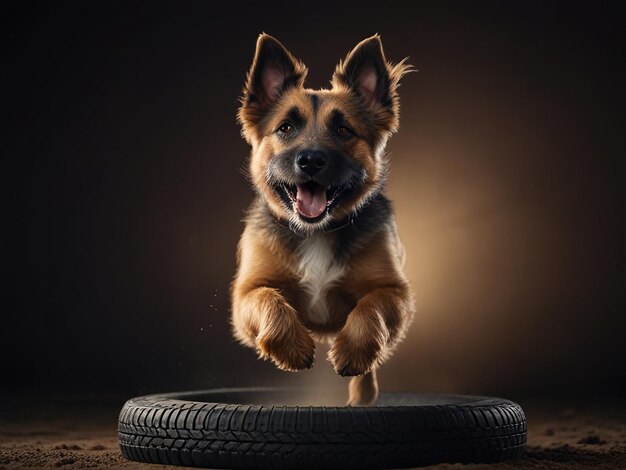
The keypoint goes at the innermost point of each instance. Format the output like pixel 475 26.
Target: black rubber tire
pixel 241 428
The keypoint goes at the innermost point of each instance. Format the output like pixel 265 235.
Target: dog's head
pixel 318 155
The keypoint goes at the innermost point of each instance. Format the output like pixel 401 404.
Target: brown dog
pixel 320 258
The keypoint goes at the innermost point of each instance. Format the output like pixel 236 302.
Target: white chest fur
pixel 318 271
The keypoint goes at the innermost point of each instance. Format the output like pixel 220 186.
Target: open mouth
pixel 311 200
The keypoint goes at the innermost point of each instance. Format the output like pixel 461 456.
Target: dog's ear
pixel 274 70
pixel 375 82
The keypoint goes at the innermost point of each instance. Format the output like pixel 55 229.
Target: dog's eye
pixel 343 132
pixel 285 128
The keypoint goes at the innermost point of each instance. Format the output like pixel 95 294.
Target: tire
pixel 240 428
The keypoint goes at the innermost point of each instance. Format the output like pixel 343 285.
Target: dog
pixel 319 258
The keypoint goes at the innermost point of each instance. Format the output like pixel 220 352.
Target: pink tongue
pixel 311 200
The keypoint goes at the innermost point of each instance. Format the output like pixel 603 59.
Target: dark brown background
pixel 125 194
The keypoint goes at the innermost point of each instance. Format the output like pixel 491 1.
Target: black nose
pixel 311 161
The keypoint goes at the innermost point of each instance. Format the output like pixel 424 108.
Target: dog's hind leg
pixel 363 389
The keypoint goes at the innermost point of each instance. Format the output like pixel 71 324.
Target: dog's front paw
pixel 354 356
pixel 286 343
pixel 360 344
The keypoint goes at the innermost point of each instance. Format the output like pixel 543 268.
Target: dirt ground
pixel 83 435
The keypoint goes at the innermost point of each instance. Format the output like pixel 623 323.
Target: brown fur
pixel 368 308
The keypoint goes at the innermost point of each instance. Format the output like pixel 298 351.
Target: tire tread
pixel 173 431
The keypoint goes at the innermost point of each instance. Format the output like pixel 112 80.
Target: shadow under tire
pixel 243 428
